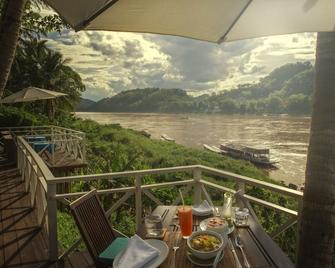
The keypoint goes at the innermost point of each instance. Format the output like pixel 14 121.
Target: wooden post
pixel 197 185
pixel 52 222
pixel 138 201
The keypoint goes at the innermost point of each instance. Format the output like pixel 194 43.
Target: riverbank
pixel 129 150
pixel 285 136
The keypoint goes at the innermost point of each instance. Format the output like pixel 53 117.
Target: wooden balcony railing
pixel 70 142
pixel 42 184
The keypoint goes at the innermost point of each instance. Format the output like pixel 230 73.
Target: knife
pixel 231 247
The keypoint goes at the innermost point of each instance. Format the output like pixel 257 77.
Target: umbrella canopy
pixel 209 20
pixel 32 94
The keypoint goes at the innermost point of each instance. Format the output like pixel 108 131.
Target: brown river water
pixel 285 136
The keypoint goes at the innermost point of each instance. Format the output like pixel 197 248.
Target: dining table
pixel 260 250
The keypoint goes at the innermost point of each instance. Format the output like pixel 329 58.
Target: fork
pixel 239 244
pixel 175 248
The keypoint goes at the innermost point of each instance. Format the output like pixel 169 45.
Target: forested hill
pixel 287 89
pixel 84 104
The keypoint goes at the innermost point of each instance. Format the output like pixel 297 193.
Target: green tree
pixel 229 106
pixel 10 21
pixel 37 65
pixel 251 107
pixel 301 83
pixel 274 104
pixel 298 104
pixel 19 20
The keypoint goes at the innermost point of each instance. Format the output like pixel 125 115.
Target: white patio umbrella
pixel 32 94
pixel 209 20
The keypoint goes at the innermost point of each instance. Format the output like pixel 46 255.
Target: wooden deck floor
pixel 22 243
pixel 62 161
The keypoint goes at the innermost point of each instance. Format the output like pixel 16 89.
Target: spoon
pixel 240 246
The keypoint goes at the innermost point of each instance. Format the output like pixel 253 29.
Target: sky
pixel 111 62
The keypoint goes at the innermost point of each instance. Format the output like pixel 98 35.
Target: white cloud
pixel 110 62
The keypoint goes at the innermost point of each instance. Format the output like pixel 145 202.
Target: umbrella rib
pixel 84 23
pixel 222 38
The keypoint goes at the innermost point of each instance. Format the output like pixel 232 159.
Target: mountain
pixel 287 89
pixel 84 105
pixel 147 100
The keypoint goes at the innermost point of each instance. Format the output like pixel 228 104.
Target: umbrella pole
pixel 50 108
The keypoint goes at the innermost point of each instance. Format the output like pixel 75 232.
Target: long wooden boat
pixel 254 155
pixel 165 137
pixel 213 149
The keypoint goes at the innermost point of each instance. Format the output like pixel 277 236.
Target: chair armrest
pixel 118 233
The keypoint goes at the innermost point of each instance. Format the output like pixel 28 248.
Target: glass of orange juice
pixel 185 221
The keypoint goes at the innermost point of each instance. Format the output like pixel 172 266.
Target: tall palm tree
pixel 37 65
pixel 317 222
pixel 9 33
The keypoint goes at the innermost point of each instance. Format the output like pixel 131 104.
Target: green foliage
pixel 274 104
pixel 34 24
pixel 37 65
pixel 68 232
pixel 13 116
pixel 147 100
pixel 298 104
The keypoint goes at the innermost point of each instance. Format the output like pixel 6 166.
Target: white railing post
pixel 197 185
pixel 138 201
pixel 83 148
pixel 52 222
pixel 19 158
pixel 18 155
pixel 240 188
pixel 24 163
pixel 53 145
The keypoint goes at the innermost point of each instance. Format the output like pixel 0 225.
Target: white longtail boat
pixel 165 137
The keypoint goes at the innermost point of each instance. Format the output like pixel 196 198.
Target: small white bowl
pixel 205 254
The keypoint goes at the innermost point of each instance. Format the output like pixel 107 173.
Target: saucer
pixel 201 262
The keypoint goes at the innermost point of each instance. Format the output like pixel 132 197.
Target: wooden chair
pixel 94 227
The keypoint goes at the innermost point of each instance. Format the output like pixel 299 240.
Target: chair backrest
pixel 94 227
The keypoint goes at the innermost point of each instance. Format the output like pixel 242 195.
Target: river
pixel 285 136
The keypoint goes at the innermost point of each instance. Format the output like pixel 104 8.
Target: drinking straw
pixel 182 199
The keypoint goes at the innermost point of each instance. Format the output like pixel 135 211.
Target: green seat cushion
pixel 118 245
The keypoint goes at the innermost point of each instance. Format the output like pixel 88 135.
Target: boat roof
pixel 238 147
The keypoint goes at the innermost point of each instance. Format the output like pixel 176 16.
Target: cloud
pixel 111 62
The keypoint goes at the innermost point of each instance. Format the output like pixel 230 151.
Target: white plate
pixel 203 227
pixel 160 245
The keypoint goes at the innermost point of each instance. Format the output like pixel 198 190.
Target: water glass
pixel 153 225
pixel 241 216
